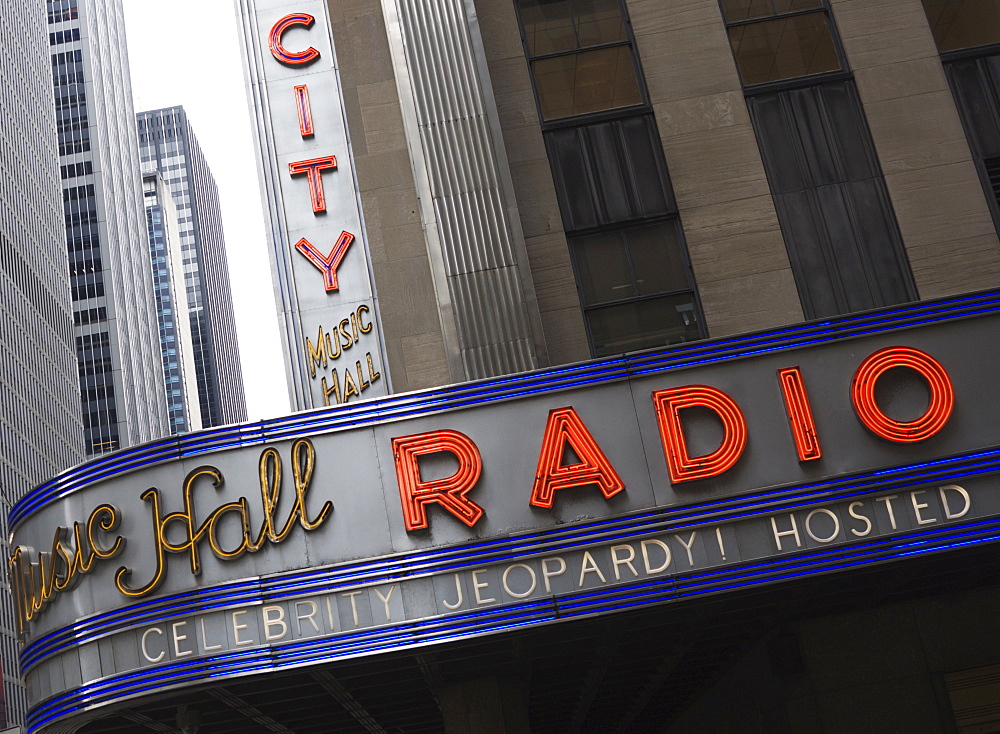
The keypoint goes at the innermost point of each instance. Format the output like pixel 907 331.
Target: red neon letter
pixel 863 394
pixel 565 427
pixel 800 416
pixel 312 168
pixel 448 492
pixel 682 466
pixel 327 264
pixel 280 52
pixel 305 110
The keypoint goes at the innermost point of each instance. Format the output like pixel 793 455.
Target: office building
pixel 168 144
pixel 114 307
pixel 689 315
pixel 172 309
pixel 40 411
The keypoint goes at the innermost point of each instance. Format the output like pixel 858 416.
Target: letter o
pixel 942 395
pixel 531 572
pixel 836 525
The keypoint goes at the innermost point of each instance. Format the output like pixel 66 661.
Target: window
pixel 780 39
pixel 975 84
pixel 634 288
pixel 967 33
pixel 581 56
pixel 618 210
pixel 959 24
pixel 836 218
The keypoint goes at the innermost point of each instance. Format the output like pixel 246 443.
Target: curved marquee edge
pixel 436 400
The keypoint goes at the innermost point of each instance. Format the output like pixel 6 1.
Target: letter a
pixel 565 427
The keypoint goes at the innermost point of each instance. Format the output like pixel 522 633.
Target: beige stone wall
pixel 544 238
pixel 939 200
pixel 737 252
pixel 410 323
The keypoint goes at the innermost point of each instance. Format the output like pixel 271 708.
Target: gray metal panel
pixel 305 307
pixel 484 289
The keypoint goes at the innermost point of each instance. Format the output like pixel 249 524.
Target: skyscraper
pixel 173 311
pixel 114 304
pixel 40 427
pixel 168 144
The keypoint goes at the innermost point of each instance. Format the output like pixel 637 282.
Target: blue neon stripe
pixel 552 540
pixel 503 388
pixel 493 620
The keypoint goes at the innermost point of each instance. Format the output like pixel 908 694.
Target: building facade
pixel 689 311
pixel 168 144
pixel 40 415
pixel 114 304
pixel 172 308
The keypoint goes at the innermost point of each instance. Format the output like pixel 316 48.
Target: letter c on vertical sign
pixel 942 394
pixel 449 492
pixel 280 52
pixel 682 466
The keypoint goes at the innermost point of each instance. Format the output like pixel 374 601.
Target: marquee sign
pixel 472 509
pixel 319 255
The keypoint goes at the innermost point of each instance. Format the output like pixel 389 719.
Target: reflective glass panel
pixel 552 26
pixel 656 259
pixel 736 10
pixel 603 268
pixel 598 22
pixel 548 26
pixel 960 24
pixel 784 48
pixel 588 81
pixel 645 324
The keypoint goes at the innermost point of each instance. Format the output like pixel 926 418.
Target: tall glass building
pixel 168 144
pixel 173 311
pixel 40 427
pixel 113 302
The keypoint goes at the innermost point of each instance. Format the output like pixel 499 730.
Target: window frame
pixel 572 240
pixel 597 115
pixel 796 81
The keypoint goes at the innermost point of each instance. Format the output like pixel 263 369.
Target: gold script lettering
pixel 193 532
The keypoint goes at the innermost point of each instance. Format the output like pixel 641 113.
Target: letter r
pixel 449 492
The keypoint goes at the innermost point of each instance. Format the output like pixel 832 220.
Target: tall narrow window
pixel 836 218
pixel 580 55
pixel 780 39
pixel 967 33
pixel 618 210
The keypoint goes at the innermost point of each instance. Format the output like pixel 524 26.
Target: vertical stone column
pixel 937 195
pixel 740 263
pixel 412 327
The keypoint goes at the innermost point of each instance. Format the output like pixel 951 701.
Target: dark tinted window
pixel 958 24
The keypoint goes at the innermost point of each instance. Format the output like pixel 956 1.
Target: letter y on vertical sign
pixel 327 264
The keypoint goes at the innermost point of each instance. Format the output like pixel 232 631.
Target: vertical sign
pixel 319 254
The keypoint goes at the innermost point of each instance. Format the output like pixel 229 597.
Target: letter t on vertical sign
pixel 312 169
pixel 449 492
